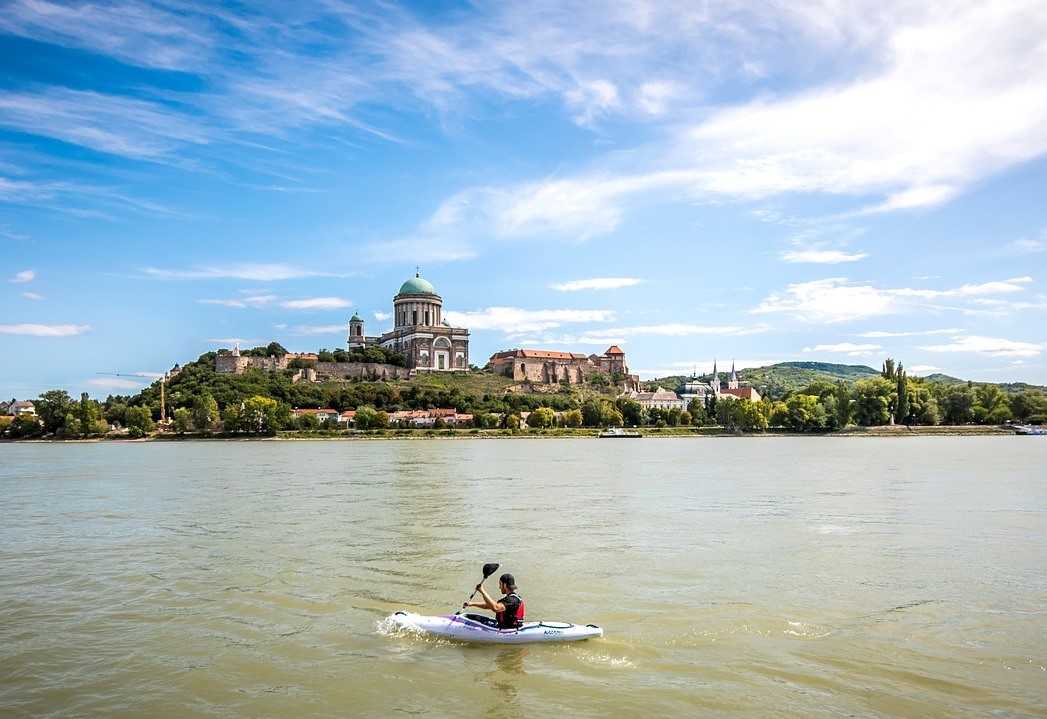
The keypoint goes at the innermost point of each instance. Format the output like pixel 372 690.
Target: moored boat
pixel 619 433
pixel 475 628
pixel 1028 429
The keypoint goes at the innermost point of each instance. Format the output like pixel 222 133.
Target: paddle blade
pixel 490 569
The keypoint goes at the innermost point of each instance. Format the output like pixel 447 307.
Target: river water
pixel 785 577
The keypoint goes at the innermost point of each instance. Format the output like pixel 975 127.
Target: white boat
pixel 618 432
pixel 1029 429
pixel 475 628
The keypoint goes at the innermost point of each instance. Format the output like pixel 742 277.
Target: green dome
pixel 417 286
pixel 356 317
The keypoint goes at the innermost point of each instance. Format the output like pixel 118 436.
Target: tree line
pixel 203 401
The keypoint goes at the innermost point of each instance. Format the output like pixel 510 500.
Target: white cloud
pixel 828 300
pixel 117 383
pixel 24 276
pixel 961 96
pixel 321 330
pixel 597 283
pixel 923 369
pixel 316 303
pixel 33 296
pixel 251 301
pixel 882 334
pixel 835 300
pixel 256 272
pixel 825 257
pixel 513 320
pixel 42 330
pixel 848 348
pixel 1025 247
pixel 989 347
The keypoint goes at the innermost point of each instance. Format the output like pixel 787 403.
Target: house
pixel 659 399
pixel 21 407
pixel 322 415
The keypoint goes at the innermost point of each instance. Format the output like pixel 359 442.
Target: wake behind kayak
pixel 474 628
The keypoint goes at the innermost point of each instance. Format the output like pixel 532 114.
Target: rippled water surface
pixel 800 577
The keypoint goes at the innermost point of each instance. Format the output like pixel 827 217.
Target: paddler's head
pixel 507 583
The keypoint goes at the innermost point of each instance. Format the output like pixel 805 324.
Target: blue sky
pixel 753 182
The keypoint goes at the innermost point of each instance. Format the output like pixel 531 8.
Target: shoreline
pixel 654 433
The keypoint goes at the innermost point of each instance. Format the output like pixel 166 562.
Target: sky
pixel 740 182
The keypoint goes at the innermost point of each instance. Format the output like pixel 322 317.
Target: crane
pixel 162 376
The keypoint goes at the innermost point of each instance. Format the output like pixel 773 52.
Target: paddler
pixel 509 610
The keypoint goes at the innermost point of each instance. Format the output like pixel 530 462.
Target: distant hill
pixel 778 380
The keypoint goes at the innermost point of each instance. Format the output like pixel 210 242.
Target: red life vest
pixel 511 621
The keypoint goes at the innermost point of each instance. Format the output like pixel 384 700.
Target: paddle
pixel 489 569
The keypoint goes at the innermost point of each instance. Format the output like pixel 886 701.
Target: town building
pixel 419 331
pixel 659 399
pixel 546 367
pixel 696 389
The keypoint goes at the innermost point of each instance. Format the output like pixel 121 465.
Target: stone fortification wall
pixel 360 370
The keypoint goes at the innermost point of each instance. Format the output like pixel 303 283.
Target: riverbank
pixel 647 432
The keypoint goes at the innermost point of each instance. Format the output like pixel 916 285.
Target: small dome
pixel 356 317
pixel 417 286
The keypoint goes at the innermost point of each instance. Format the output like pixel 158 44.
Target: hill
pixel 778 380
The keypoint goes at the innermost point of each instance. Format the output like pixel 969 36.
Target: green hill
pixel 780 379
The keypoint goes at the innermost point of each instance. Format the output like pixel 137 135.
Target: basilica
pixel 419 331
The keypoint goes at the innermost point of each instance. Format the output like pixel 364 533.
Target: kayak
pixel 474 628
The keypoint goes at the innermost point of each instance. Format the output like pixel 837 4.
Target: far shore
pixel 648 433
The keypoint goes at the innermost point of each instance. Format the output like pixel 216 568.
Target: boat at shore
pixel 619 433
pixel 1029 429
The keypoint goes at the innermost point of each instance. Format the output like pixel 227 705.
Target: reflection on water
pixel 787 577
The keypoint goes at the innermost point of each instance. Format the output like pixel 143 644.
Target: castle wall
pixel 360 370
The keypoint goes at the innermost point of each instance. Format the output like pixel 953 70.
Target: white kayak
pixel 473 628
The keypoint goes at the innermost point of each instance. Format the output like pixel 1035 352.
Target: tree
pixel 841 406
pixel 307 421
pixel 957 405
pixel 365 417
pixel 872 401
pixel 901 409
pixel 991 405
pixel 263 415
pixel 24 426
pixel 541 418
pixel 52 408
pixel 205 413
pixel 632 411
pixel 139 421
pixel 183 420
pixel 802 413
pixel 275 349
pixel 88 414
pixel 750 416
pixel 572 418
pixel 1029 405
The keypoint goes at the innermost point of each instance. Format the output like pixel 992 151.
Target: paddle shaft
pixel 489 569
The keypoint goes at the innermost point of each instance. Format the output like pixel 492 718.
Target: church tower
pixel 732 381
pixel 356 339
pixel 715 381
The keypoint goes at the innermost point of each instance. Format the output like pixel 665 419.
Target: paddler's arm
pixel 487 603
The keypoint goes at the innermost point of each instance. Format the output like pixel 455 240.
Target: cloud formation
pixel 44 330
pixel 835 299
pixel 597 283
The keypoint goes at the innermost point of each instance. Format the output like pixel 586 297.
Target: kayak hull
pixel 466 629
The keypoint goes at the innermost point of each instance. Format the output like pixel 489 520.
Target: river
pixel 752 577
